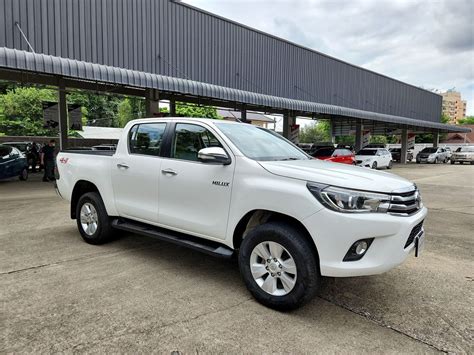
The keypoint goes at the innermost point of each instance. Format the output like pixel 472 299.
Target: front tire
pixel 452 162
pixel 374 165
pixel 278 266
pixel 24 174
pixel 92 219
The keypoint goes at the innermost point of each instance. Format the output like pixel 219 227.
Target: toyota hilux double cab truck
pixel 227 188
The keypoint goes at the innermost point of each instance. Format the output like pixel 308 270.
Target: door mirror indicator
pixel 214 155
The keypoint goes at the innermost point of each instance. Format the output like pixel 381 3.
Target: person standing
pixel 47 160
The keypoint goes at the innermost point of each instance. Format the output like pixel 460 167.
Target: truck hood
pixel 336 174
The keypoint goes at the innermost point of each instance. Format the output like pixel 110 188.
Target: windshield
pixel 367 152
pixel 21 146
pixel 261 144
pixel 325 152
pixel 429 150
pixel 465 149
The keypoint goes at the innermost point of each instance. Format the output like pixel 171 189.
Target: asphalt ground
pixel 59 294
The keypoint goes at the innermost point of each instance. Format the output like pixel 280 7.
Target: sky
pixel 427 43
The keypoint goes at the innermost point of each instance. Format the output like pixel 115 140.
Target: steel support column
pixel 152 101
pixel 62 115
pixel 288 121
pixel 331 131
pixel 403 152
pixel 435 139
pixel 359 135
pixel 243 116
pixel 172 108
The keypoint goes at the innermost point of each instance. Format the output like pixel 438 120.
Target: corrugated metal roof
pixel 35 62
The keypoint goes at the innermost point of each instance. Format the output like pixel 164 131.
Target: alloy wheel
pixel 273 268
pixel 89 218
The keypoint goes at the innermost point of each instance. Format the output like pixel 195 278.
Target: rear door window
pixel 146 138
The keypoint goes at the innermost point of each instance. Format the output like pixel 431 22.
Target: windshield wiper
pixel 292 158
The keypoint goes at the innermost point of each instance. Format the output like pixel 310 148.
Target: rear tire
pixel 452 162
pixel 283 251
pixel 24 174
pixel 92 219
pixel 390 165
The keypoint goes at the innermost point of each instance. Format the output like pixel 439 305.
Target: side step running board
pixel 202 245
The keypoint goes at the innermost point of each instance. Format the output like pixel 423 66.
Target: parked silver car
pixel 432 155
pixel 463 155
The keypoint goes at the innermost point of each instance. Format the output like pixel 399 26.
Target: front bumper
pixel 425 159
pixel 334 233
pixel 467 159
pixel 364 163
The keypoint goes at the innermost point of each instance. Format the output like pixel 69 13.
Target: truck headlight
pixel 349 201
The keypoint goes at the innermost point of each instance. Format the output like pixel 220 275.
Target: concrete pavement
pixel 59 294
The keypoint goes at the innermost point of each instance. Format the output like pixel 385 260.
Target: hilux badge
pixel 220 183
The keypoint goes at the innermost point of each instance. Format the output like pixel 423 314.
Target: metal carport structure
pixel 28 67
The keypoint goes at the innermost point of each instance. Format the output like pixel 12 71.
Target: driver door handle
pixel 169 172
pixel 122 166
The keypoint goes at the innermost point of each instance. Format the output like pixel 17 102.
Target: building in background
pixel 453 106
pixel 459 137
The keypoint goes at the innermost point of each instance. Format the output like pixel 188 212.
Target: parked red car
pixel 337 155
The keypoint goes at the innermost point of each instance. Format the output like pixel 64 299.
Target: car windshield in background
pixel 465 149
pixel 367 152
pixel 5 151
pixel 326 152
pixel 395 150
pixel 22 147
pixel 261 144
pixel 429 150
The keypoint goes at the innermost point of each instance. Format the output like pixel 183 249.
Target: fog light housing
pixel 358 249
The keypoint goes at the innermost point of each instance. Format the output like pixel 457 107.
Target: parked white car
pixel 374 158
pixel 227 188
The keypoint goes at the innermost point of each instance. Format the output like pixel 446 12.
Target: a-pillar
pixel 62 113
pixel 331 132
pixel 288 121
pixel 359 135
pixel 172 108
pixel 435 139
pixel 403 152
pixel 152 103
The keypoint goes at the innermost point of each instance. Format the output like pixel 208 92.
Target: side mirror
pixel 214 155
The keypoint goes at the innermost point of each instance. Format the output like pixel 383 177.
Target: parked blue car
pixel 13 163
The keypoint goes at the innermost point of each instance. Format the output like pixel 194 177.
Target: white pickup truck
pixel 228 188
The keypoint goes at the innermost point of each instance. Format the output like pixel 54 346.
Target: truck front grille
pixel 405 203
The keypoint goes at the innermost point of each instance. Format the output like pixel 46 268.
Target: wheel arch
pixel 255 218
pixel 80 188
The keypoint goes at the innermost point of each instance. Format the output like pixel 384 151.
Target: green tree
pixel 101 110
pixel 318 132
pixel 125 113
pixel 428 137
pixel 467 120
pixel 193 110
pixel 22 111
